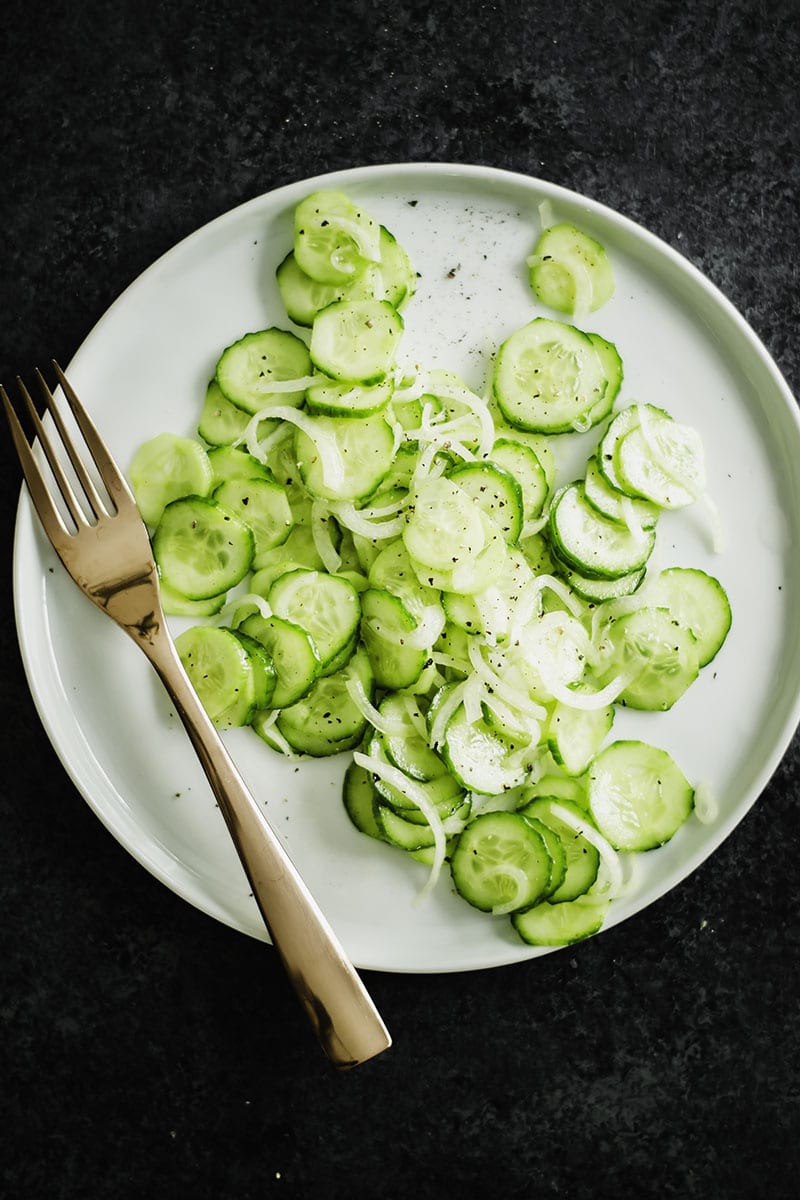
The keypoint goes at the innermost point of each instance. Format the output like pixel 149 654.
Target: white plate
pixel 143 369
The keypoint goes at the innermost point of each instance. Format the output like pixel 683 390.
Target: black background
pixel 146 1051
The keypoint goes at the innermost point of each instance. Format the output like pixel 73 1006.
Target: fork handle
pixel 336 1002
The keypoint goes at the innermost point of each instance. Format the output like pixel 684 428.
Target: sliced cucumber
pixel 500 863
pixel 495 492
pixel 231 462
pixel 479 758
pixel 222 671
pixel 387 632
pixel 247 368
pixel 348 399
pixel 617 506
pixel 659 655
pixel 549 377
pixel 358 797
pixel 303 297
pixel 221 422
pixel 334 239
pixel 201 550
pixel 561 924
pixel 293 654
pixel 327 607
pixel 326 721
pixel 699 602
pixel 166 468
pixel 522 461
pixel 590 543
pixel 574 735
pixel 262 505
pixel 356 340
pixel 344 460
pixel 569 270
pixel 638 796
pixel 582 860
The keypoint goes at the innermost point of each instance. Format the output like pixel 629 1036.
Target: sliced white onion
pixel 516 699
pixel 329 456
pixel 444 712
pixel 383 724
pixel 322 535
pixel 249 598
pixel 268 386
pixel 719 540
pixel 706 807
pixel 363 523
pixel 614 882
pixel 412 791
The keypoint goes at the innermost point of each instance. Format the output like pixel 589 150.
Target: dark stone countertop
pixel 148 1052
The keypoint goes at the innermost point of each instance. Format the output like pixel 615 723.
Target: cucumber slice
pixel 303 297
pixel 569 270
pixel 661 461
pixel 414 835
pixel 348 399
pixel 598 591
pixel 221 670
pixel 262 505
pixel 480 759
pixel 590 543
pixel 176 605
pixel 387 630
pixel 327 607
pixel 231 462
pixel 495 492
pixel 561 924
pixel 574 735
pixel 582 859
pixel 549 377
pixel 334 239
pixel 356 340
pixel 522 461
pixel 617 506
pixel 444 527
pixel 409 749
pixel 344 460
pixel 326 721
pixel 555 848
pixel 699 602
pixel 500 863
pixel 293 655
pixel 397 275
pixel 661 654
pixel 264 673
pixel 638 796
pixel 221 422
pixel 359 799
pixel 621 424
pixel 201 550
pixel 246 369
pixel 166 468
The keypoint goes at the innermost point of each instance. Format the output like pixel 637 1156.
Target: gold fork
pixel 106 549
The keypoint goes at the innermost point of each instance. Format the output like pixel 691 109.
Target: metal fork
pixel 106 549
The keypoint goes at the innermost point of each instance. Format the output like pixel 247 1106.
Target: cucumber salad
pixel 376 559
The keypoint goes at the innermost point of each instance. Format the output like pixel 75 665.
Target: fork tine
pixel 63 484
pixel 110 474
pixel 95 502
pixel 49 514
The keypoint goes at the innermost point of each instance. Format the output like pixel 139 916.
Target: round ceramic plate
pixel 468 230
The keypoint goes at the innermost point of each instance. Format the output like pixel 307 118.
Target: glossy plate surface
pixel 143 370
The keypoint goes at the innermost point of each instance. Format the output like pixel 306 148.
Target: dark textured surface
pixel 146 1051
